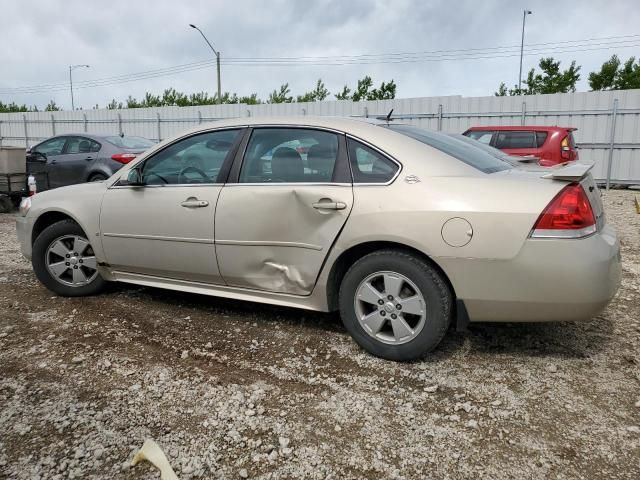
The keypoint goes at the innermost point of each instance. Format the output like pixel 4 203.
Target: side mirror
pixel 134 177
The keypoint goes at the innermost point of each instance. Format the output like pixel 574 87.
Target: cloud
pixel 39 40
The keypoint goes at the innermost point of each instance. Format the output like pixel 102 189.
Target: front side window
pixel 369 165
pixel 194 160
pixel 481 136
pixel 516 140
pixel 51 147
pixel 289 155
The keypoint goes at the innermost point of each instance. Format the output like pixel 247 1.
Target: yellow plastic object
pixel 151 452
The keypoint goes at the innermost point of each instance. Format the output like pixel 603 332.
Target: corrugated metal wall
pixel 591 112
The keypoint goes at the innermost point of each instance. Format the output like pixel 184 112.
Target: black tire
pixel 39 259
pixel 437 296
pixel 97 177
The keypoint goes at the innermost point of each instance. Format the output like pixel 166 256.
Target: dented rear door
pixel 276 222
pixel 272 237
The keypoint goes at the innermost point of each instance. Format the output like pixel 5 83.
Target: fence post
pixel 26 131
pixel 119 124
pixel 86 122
pixel 304 111
pixel 53 125
pixel 366 112
pixel 0 133
pixel 199 117
pixel 158 123
pixel 524 112
pixel 440 117
pixel 614 114
pixel 248 112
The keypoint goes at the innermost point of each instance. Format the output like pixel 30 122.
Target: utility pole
pixel 524 18
pixel 217 54
pixel 71 69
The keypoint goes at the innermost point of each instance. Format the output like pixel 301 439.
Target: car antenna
pixel 387 118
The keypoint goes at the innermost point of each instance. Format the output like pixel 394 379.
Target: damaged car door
pixel 285 203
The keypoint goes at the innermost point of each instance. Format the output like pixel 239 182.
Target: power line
pixel 343 60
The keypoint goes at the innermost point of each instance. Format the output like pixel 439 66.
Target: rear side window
pixel 460 149
pixel 541 137
pixel 516 140
pixel 368 165
pixel 481 136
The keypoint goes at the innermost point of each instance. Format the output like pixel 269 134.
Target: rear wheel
pixel 395 305
pixel 64 260
pixel 97 177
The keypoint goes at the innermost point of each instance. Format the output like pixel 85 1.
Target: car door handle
pixel 194 203
pixel 329 205
pixel 89 158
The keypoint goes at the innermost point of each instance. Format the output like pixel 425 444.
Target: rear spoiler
pixel 571 172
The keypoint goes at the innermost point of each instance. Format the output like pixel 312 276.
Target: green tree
pixel 550 80
pixel 51 107
pixel 628 76
pixel 387 91
pixel 281 96
pixel 345 94
pixel 14 107
pixel 605 79
pixel 362 90
pixel 316 95
pixel 250 99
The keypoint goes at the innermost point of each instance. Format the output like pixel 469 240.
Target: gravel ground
pixel 236 390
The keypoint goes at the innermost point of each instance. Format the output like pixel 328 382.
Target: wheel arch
pixel 347 258
pixel 48 218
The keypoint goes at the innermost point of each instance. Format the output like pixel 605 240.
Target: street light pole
pixel 71 69
pixel 217 54
pixel 524 18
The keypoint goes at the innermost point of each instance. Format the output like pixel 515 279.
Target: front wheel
pixel 64 260
pixel 395 305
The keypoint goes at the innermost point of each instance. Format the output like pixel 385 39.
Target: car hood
pixel 69 193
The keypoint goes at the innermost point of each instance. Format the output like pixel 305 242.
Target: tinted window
pixel 460 149
pixel 51 147
pixel 289 155
pixel 541 137
pixel 368 165
pixel 81 145
pixel 480 135
pixel 197 159
pixel 516 140
pixel 134 143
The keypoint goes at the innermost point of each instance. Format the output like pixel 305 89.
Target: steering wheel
pixel 159 176
pixel 194 169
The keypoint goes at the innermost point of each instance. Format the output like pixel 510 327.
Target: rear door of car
pixel 280 211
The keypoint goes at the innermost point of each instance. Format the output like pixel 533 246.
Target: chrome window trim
pixel 288 184
pixel 168 185
pixel 381 152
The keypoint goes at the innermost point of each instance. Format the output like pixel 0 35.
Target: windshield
pixel 130 142
pixel 464 151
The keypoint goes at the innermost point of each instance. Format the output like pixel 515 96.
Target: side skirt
pixel 282 299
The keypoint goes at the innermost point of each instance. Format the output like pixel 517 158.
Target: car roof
pixel 524 128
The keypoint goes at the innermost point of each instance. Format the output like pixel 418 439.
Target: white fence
pixel 608 122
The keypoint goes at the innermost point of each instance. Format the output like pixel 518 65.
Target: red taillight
pixel 123 157
pixel 569 215
pixel 565 149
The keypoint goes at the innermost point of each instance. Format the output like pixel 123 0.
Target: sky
pixel 40 39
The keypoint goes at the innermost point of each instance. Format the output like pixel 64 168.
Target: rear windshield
pixel 130 142
pixel 463 151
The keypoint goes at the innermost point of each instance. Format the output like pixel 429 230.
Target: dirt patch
pixel 224 386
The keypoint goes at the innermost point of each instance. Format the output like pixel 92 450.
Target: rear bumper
pixel 23 230
pixel 549 280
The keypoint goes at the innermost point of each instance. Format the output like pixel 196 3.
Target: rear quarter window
pixel 541 137
pixel 459 149
pixel 516 140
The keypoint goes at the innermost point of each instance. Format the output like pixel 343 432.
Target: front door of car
pixel 165 226
pixel 76 158
pixel 282 209
pixel 44 158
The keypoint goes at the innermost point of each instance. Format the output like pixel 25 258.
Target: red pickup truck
pixel 551 145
